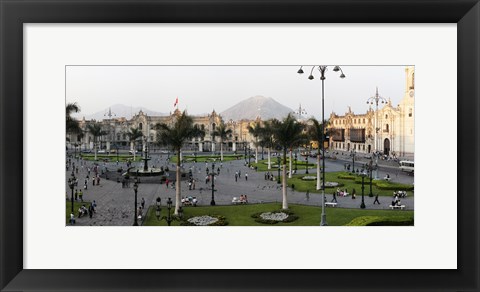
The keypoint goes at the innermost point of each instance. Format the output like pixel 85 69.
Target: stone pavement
pixel 115 205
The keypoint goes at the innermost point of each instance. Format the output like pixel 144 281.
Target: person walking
pixel 90 211
pixel 143 203
pixel 246 176
pixel 307 195
pixel 80 195
pixel 376 199
pixel 72 219
pixel 76 194
pixel 334 197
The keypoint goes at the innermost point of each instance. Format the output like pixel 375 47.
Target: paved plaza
pixel 115 204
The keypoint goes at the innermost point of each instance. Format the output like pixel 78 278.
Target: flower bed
pixel 331 184
pixel 205 220
pixel 275 217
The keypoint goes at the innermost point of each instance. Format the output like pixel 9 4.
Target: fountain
pixel 146 171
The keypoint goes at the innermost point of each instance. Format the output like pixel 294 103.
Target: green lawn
pixel 349 182
pixel 76 206
pixel 263 165
pixel 207 158
pixel 240 215
pixel 111 157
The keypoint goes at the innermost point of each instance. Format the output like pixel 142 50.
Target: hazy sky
pixel 200 89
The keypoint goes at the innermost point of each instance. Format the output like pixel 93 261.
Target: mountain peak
pixel 256 106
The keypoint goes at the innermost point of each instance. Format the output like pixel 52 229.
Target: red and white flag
pixel 176 102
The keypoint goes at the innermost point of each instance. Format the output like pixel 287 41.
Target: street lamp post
pixel 353 153
pixel 135 189
pixel 249 156
pixel 362 205
pixel 71 184
pixel 370 171
pixel 371 100
pixel 278 168
pixel 295 162
pixel 212 174
pixel 306 164
pixel 322 70
pixel 168 218
pixel 245 148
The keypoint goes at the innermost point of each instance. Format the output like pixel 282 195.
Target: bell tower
pixel 410 77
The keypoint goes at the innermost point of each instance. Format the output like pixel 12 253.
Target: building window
pixel 410 112
pixel 386 116
pixel 364 120
pixel 140 126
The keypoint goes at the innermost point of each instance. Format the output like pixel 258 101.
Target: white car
pixel 102 151
pixel 131 151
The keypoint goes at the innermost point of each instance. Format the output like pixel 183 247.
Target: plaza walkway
pixel 115 205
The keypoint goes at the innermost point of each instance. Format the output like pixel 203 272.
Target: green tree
pixel 133 135
pixel 175 136
pixel 256 131
pixel 222 132
pixel 315 131
pixel 266 138
pixel 96 131
pixel 287 134
pixel 72 125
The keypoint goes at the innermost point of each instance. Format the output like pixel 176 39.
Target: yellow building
pixel 389 129
pixel 117 129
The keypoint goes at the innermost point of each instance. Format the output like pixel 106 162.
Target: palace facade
pixel 117 129
pixel 389 129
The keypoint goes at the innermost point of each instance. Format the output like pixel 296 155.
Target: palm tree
pixel 96 131
pixel 287 134
pixel 133 134
pixel 256 131
pixel 315 133
pixel 222 132
pixel 267 140
pixel 175 136
pixel 72 125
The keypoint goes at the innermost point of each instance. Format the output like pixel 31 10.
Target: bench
pixel 236 201
pixel 397 207
pixel 331 204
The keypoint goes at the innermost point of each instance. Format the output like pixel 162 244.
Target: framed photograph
pixel 317 141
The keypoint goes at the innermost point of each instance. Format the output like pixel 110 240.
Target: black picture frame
pixel 14 14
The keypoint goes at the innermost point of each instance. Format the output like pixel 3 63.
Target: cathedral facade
pixel 387 129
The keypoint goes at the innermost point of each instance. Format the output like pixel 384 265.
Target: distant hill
pixel 251 108
pixel 118 111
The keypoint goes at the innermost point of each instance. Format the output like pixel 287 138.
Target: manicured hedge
pixel 382 221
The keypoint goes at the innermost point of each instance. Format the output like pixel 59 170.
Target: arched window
pixel 213 127
pixel 386 128
pixel 140 126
